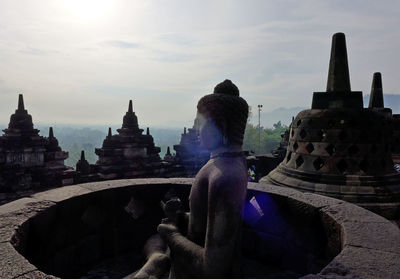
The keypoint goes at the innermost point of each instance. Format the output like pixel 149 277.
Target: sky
pixel 81 61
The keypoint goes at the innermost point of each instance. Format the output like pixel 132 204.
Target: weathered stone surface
pixel 364 263
pixel 36 275
pixel 12 263
pixel 350 212
pixel 56 195
pixel 383 237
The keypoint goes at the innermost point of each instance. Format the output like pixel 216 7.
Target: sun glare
pixel 88 9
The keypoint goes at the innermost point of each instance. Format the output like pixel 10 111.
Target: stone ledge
pixel 371 244
pixel 12 263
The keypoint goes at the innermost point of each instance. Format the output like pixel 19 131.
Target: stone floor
pixel 119 267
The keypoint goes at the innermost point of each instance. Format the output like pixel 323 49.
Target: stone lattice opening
pixel 295 146
pixel 299 161
pixel 342 135
pixel 318 163
pixel 378 136
pixel 320 135
pixel 331 149
pixel 289 156
pixel 364 135
pixel 364 165
pixel 353 150
pixel 342 166
pixel 303 133
pixel 298 123
pixel 310 147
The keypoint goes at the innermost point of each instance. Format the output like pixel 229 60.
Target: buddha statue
pixel 205 242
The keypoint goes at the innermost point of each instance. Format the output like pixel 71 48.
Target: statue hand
pixel 167 221
pixel 166 230
pixel 171 208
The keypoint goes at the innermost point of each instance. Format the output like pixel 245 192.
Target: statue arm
pixel 226 199
pixel 224 221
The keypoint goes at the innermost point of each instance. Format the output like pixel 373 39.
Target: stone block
pixel 382 237
pixel 36 275
pixel 59 194
pixel 350 212
pixel 357 262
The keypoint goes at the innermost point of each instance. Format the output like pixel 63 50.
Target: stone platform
pixel 69 231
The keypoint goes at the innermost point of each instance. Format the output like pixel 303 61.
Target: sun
pixel 88 9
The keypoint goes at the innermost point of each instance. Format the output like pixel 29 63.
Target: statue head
pixel 222 117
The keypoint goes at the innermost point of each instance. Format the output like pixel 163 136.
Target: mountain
pixel 269 118
pixel 390 100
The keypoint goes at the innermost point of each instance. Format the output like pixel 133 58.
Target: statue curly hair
pixel 227 109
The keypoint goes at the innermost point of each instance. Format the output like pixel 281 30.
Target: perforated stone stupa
pixel 128 154
pixel 28 160
pixel 340 149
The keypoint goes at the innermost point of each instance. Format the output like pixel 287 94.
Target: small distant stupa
pixel 28 160
pixel 128 154
pixel 190 156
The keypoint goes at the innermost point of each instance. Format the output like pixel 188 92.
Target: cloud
pixel 36 51
pixel 120 44
pixel 178 39
pixel 166 56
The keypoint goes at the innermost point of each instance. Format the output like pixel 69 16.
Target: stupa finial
pixel 148 131
pixel 51 134
pixel 184 130
pixel 168 151
pixel 338 75
pixel 83 155
pixel 21 106
pixel 130 119
pixel 376 98
pixel 130 109
pixel 109 132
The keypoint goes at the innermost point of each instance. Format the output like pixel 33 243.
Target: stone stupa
pixel 128 154
pixel 28 160
pixel 340 149
pixel 190 156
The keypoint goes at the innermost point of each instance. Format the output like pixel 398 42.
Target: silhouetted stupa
pixel 190 156
pixel 28 160
pixel 129 154
pixel 340 149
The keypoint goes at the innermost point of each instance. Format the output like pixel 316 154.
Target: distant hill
pixel 390 100
pixel 282 114
pixel 74 138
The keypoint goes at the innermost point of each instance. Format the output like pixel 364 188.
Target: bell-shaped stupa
pixel 340 149
pixel 128 154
